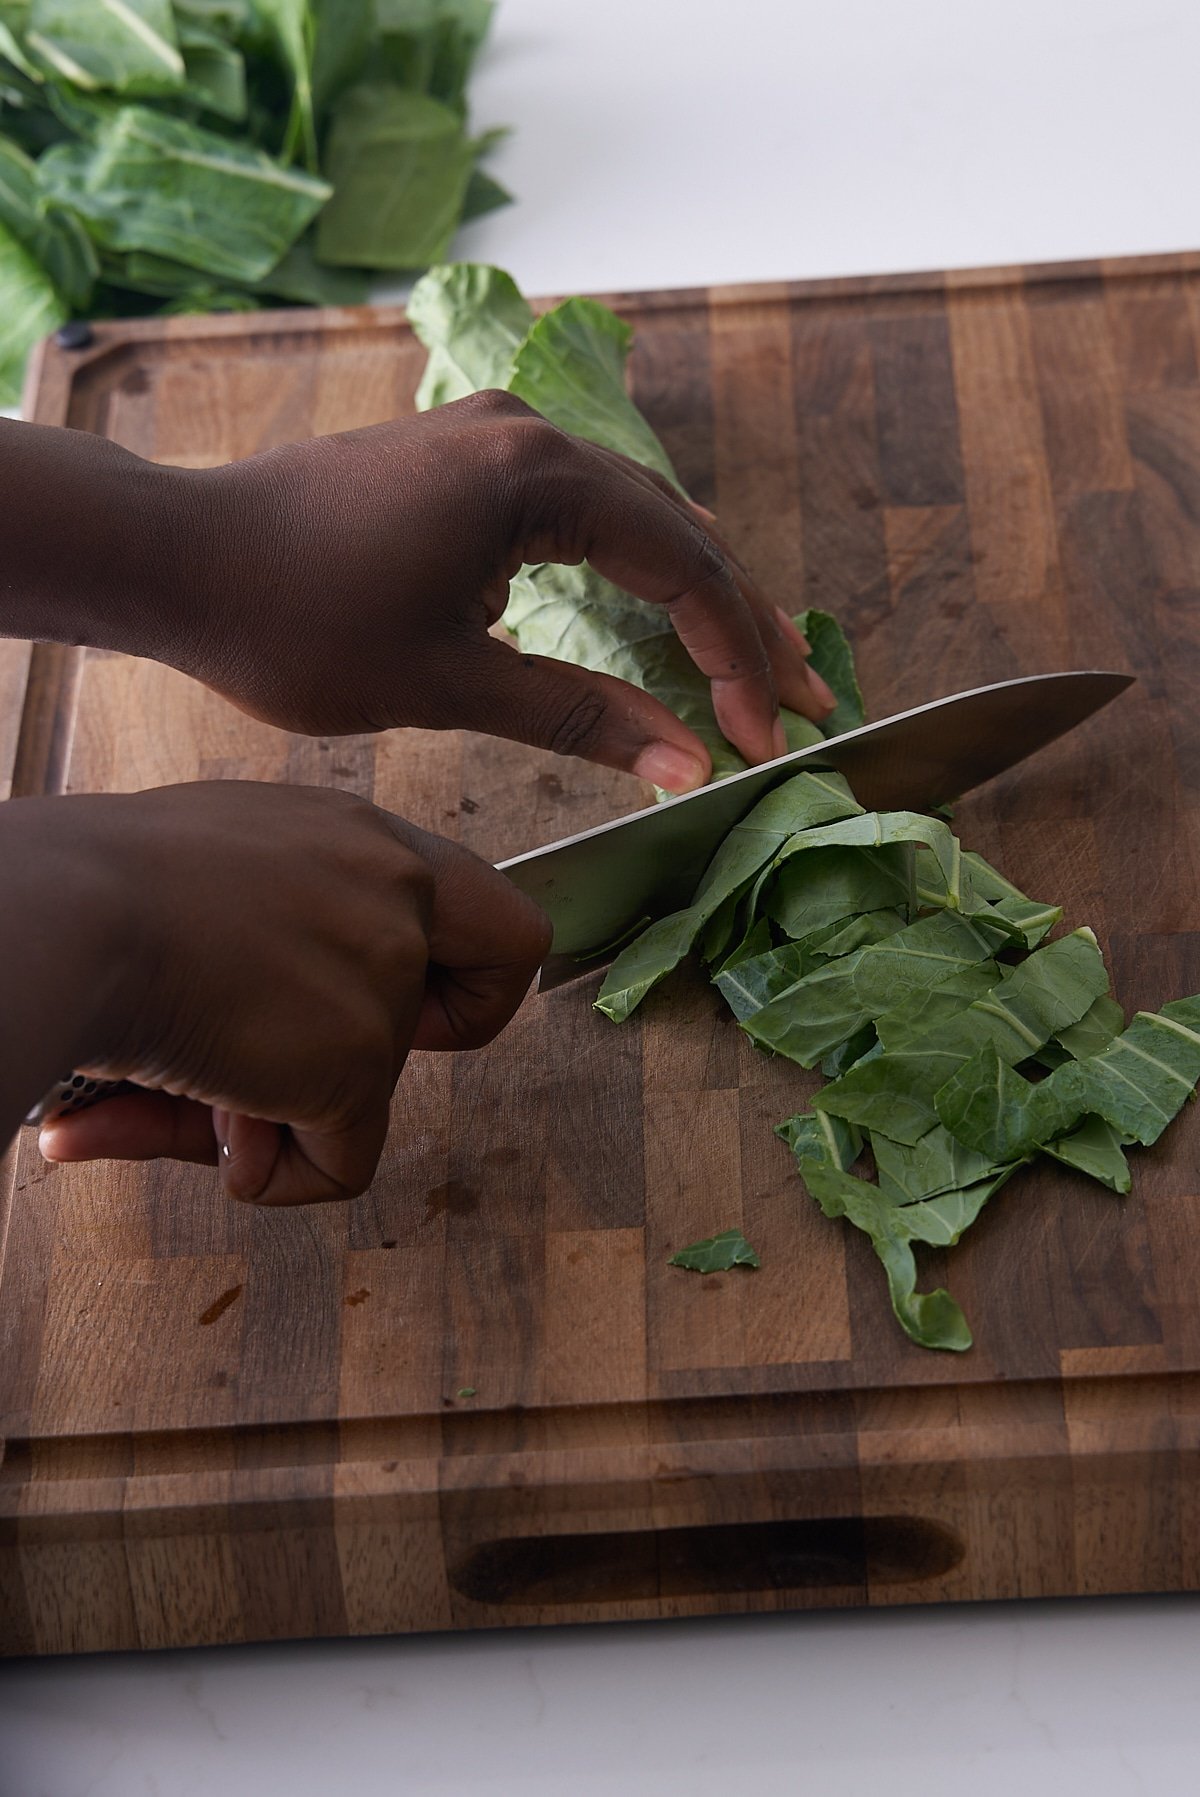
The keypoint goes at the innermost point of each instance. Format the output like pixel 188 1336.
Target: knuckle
pixel 576 730
pixel 529 450
pixel 493 402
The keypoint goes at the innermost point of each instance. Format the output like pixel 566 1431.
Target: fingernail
pixel 703 511
pixel 779 741
pixel 823 692
pixel 672 769
pixel 792 631
pixel 46 1144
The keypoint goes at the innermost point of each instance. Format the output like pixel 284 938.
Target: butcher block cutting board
pixel 479 1395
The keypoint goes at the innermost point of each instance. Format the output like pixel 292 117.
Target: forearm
pixel 60 951
pixel 97 542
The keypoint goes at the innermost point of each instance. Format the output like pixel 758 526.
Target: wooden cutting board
pixel 479 1395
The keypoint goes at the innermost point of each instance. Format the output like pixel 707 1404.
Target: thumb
pixel 575 711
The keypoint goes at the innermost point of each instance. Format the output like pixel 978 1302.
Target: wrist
pixel 100 545
pixel 67 933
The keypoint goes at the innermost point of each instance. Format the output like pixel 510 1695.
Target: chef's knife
pixel 598 886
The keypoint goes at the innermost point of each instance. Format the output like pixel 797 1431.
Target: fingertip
pixel 824 693
pixel 670 768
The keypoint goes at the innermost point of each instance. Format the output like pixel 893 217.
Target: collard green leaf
pixel 29 310
pixel 855 932
pixel 400 163
pixel 815 1136
pixel 937 1163
pixel 832 884
pixel 808 1020
pixel 344 34
pixel 987 880
pixel 1093 1033
pixel 859 1047
pixel 744 851
pixel 748 985
pixel 484 194
pixel 293 27
pixel 1095 1148
pixel 53 236
pixel 894 1093
pixel 834 662
pixel 215 71
pixel 921 1011
pixel 160 184
pixel 124 46
pixel 230 19
pixel 205 296
pixel 472 319
pixel 575 615
pixel 571 369
pixel 431 45
pixel 1142 1079
pixel 1030 920
pixel 875 829
pixel 717 1254
pixel 993 1109
pixel 931 1319
pixel 569 365
pixel 12 51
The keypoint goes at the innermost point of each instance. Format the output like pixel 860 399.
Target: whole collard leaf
pixel 833 660
pixel 29 310
pixel 151 182
pixel 571 369
pixel 123 46
pixel 574 614
pixel 472 319
pixel 400 163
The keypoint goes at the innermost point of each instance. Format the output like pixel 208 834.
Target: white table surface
pixel 667 145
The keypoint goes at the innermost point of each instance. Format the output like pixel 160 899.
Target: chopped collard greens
pixel 958 1042
pixel 959 1038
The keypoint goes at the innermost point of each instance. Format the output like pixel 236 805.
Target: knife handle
pixel 75 1092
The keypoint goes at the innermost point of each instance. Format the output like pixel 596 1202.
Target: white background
pixel 672 145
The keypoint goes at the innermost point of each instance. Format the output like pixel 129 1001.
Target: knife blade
pixel 598 886
pixel 602 883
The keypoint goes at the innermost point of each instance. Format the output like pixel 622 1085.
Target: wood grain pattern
pixel 479 1395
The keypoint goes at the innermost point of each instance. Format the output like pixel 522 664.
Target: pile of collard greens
pixel 958 1040
pixel 186 155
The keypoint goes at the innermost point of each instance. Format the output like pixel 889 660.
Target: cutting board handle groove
pixel 636 1565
